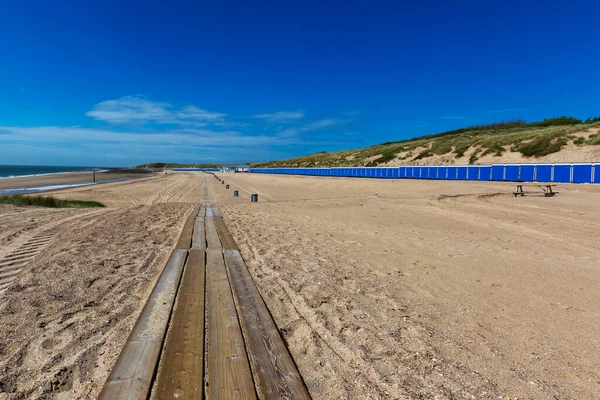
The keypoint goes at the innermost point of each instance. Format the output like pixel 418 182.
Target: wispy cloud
pixel 456 117
pixel 135 109
pixel 323 123
pixel 280 116
pixel 310 127
pixel 141 129
pixel 195 113
pixel 183 137
pixel 502 110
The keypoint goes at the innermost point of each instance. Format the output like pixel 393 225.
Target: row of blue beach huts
pixel 558 173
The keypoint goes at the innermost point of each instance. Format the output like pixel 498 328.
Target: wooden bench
pixel 548 192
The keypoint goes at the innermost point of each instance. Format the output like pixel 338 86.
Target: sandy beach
pixel 385 290
pixel 382 289
pixel 65 319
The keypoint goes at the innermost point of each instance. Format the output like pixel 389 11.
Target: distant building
pixel 236 168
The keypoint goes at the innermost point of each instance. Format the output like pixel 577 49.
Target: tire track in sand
pixel 176 191
pixel 350 360
pixel 160 195
pixel 13 263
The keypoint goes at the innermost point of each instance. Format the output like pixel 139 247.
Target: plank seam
pixel 251 288
pixel 134 339
pixel 237 314
pixel 237 317
pixel 173 313
pixel 278 330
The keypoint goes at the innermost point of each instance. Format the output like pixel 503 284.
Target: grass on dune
pixel 160 165
pixel 47 201
pixel 531 139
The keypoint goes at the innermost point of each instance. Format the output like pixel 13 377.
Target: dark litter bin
pixel 254 198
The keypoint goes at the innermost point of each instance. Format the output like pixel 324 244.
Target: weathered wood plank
pixel 228 373
pixel 227 241
pixel 212 238
pixel 216 212
pixel 131 377
pixel 185 238
pixel 199 237
pixel 273 368
pixel 182 369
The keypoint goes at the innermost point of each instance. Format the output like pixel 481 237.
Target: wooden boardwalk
pixel 205 331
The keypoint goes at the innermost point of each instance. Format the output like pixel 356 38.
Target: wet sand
pixel 63 179
pixel 382 289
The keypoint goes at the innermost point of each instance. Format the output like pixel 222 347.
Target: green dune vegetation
pixel 471 145
pixel 161 165
pixel 47 201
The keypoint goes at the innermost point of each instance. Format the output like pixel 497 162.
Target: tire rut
pixel 304 312
pixel 16 260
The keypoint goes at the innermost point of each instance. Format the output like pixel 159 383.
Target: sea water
pixel 14 171
pixel 20 171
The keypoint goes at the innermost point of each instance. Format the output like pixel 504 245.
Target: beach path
pixel 219 338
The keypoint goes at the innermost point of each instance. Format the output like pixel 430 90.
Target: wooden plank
pixel 273 368
pixel 228 373
pixel 182 370
pixel 212 238
pixel 199 237
pixel 216 212
pixel 131 377
pixel 185 238
pixel 227 241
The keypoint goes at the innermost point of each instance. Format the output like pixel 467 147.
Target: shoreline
pixel 59 181
pixel 49 173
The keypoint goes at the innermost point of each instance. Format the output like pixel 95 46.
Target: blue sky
pixel 117 83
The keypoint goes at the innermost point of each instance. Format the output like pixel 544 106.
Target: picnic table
pixel 547 190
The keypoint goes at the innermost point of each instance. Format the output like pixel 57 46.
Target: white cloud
pixel 129 108
pixel 310 127
pixel 281 116
pixel 321 124
pixel 288 133
pixel 455 117
pixel 158 130
pixel 191 112
pixel 107 146
pixel 179 137
pixel 136 109
pixel 503 110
